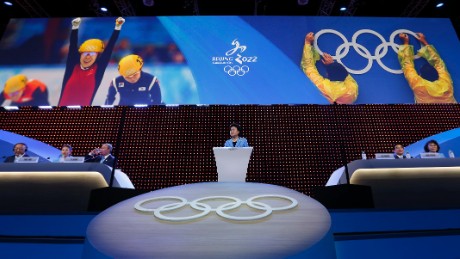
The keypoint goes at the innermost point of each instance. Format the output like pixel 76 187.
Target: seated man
pixel 399 152
pixel 101 155
pixel 19 150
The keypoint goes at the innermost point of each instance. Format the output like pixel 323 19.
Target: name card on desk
pixel 74 159
pixel 384 156
pixel 432 155
pixel 27 159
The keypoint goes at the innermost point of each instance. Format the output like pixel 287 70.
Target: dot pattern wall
pixel 296 146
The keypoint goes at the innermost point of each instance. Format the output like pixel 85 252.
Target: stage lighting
pixel 140 105
pixel 302 2
pixel 149 2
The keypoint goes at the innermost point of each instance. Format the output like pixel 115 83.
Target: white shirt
pixel 16 158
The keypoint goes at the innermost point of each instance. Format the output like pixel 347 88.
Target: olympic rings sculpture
pixel 205 209
pixel 236 70
pixel 380 51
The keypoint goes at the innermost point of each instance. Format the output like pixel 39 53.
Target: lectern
pixel 232 163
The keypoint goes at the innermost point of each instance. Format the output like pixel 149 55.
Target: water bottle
pixel 408 156
pixel 363 155
pixel 451 154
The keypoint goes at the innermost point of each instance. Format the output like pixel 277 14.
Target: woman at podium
pixel 235 139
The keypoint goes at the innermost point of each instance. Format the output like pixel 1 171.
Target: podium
pixel 232 163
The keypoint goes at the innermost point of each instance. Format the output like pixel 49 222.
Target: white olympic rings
pixel 220 210
pixel 380 51
pixel 236 70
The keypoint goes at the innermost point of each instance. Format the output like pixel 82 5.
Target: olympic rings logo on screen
pixel 235 64
pixel 236 70
pixel 221 210
pixel 380 51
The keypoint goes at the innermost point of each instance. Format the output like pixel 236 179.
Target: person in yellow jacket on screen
pixel 338 86
pixel 433 84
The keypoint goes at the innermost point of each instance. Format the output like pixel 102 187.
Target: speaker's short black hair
pixel 237 126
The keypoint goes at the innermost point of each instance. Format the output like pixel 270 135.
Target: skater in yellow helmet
pixel 24 92
pixel 134 86
pixel 86 66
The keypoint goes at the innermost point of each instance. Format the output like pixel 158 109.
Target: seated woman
pixel 432 146
pixel 236 140
pixel 66 151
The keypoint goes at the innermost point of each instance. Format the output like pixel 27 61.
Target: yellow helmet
pixel 130 64
pixel 15 83
pixel 92 45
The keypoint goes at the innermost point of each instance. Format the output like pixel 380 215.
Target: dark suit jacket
pixel 11 159
pixel 397 157
pixel 110 160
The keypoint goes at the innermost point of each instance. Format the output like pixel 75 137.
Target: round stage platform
pixel 209 220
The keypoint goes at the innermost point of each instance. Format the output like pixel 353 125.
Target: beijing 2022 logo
pixel 236 64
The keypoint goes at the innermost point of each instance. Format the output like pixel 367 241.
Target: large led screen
pixel 228 60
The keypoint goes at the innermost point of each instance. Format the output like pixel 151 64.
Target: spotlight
pixel 343 9
pixel 104 9
pixel 440 4
pixel 140 105
pixel 8 3
pixel 302 2
pixel 149 2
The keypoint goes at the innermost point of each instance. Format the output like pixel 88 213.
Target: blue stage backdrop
pixel 242 59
